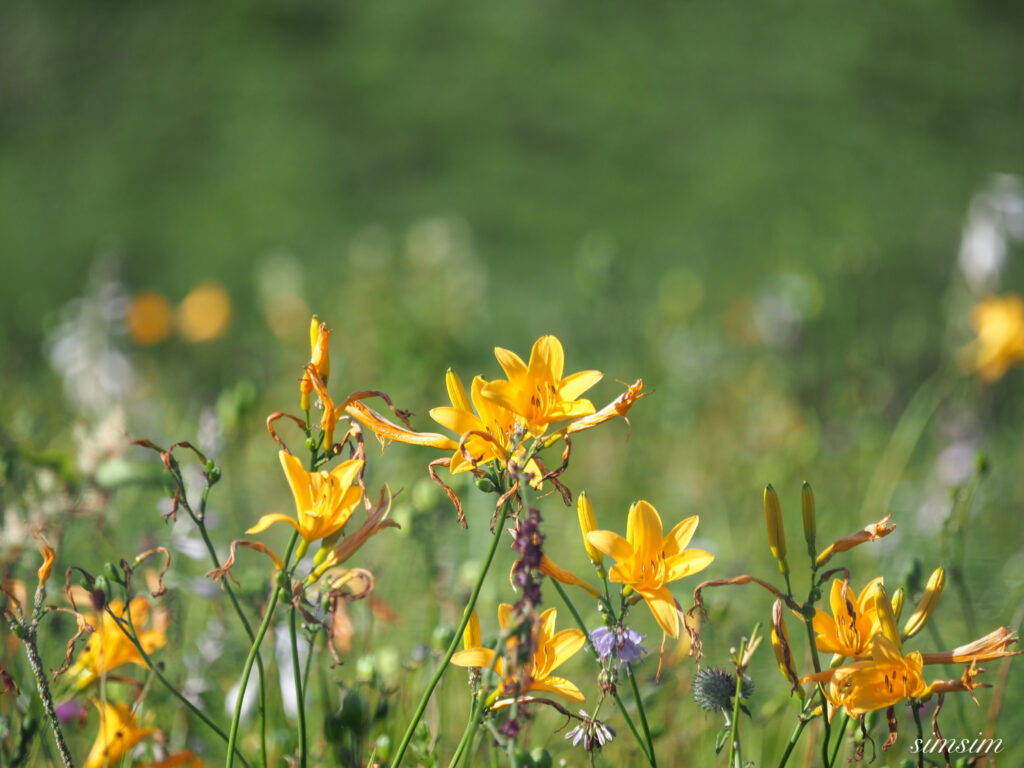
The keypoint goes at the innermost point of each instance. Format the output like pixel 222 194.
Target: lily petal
pixel 268 520
pixel 298 481
pixel 611 544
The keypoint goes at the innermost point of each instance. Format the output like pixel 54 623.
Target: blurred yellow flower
pixel 119 732
pixel 552 650
pixel 323 500
pixel 107 648
pixel 149 318
pixel 647 561
pixel 205 313
pixel 999 323
pixel 537 393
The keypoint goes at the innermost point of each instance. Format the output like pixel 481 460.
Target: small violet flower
pixel 622 641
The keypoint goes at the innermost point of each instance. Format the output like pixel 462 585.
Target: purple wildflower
pixel 622 642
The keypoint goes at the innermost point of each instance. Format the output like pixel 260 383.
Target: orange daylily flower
pixel 119 732
pixel 537 393
pixel 853 624
pixel 375 522
pixel 552 650
pixel 647 561
pixel 864 686
pixel 492 420
pixel 107 648
pixel 323 500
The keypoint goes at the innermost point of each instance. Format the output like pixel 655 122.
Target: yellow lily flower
pixel 537 393
pixel 999 323
pixel 492 420
pixel 552 650
pixel 107 648
pixel 319 358
pixel 323 500
pixel 865 686
pixel 119 732
pixel 647 562
pixel 376 521
pixel 851 627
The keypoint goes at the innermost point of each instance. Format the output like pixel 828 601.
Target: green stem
pixel 593 651
pixel 200 521
pixel 247 669
pixel 839 741
pixel 129 632
pixel 299 690
pixel 42 684
pixel 915 707
pixel 643 717
pixel 824 704
pixel 793 739
pixel 735 756
pixel 456 639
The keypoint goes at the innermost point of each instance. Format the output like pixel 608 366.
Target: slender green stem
pixel 915 707
pixel 456 639
pixel 824 704
pixel 471 727
pixel 839 741
pixel 793 739
pixel 593 651
pixel 128 630
pixel 200 520
pixel 299 690
pixel 735 756
pixel 30 630
pixel 643 717
pixel 247 669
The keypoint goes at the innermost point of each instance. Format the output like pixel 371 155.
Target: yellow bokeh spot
pixel 149 318
pixel 205 313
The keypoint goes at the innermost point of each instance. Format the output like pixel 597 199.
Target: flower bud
pixel 898 598
pixel 885 615
pixel 810 523
pixel 587 524
pixel 776 532
pixel 929 600
pixel 471 634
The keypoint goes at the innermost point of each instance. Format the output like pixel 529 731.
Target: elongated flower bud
pixel 898 598
pixel 886 617
pixel 776 532
pixel 925 608
pixel 471 634
pixel 319 358
pixel 587 524
pixel 783 650
pixel 810 523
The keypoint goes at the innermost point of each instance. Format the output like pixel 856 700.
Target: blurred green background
pixel 777 215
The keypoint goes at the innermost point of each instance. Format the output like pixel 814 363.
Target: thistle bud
pixel 776 532
pixel 925 608
pixel 810 523
pixel 587 524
